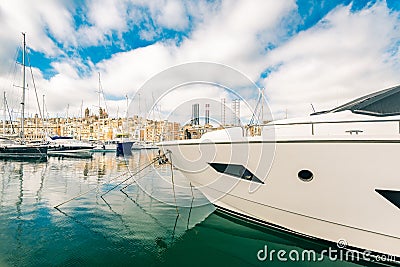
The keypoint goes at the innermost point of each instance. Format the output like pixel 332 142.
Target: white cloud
pixel 226 35
pixel 231 36
pixel 173 15
pixel 345 55
pixel 24 16
pixel 107 15
pixel 58 20
pixel 125 72
pixel 104 18
pixel 342 57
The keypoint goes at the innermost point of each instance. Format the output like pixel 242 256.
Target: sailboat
pixel 106 145
pixel 12 149
pixel 140 142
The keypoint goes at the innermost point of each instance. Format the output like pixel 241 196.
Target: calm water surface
pixel 137 226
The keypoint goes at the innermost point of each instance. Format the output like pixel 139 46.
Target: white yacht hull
pixel 137 146
pixel 105 148
pixel 73 153
pixel 149 147
pixel 339 203
pixel 66 146
pixel 140 146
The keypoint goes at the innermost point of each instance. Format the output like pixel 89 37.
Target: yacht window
pixel 382 103
pixel 235 170
pixel 391 195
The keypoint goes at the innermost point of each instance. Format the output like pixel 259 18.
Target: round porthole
pixel 305 175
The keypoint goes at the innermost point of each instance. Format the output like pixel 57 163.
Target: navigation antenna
pixel 258 113
pixel 312 106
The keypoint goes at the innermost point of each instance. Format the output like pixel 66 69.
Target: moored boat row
pixel 16 146
pixel 62 146
pixel 10 149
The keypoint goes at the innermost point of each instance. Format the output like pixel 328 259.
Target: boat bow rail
pixel 343 125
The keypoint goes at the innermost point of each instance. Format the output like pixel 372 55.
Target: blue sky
pixel 302 52
pixel 309 12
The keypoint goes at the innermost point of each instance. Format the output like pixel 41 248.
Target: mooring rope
pixel 123 174
pixel 84 193
pixel 135 181
pixel 132 175
pixel 172 180
pixel 162 159
pixel 191 205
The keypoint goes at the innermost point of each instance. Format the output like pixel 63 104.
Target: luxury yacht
pixel 150 145
pixel 331 176
pixel 124 148
pixel 120 146
pixel 67 146
pixel 106 146
pixel 139 145
pixel 11 149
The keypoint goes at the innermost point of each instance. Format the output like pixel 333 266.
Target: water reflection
pixel 131 225
pixel 18 204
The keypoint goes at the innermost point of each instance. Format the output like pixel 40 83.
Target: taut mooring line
pixel 118 176
pixel 132 175
pixel 135 181
pixel 191 205
pixel 84 193
pixel 172 180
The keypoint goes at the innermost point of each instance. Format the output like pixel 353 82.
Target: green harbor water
pixel 137 226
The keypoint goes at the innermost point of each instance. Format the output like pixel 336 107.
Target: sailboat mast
pixel 81 122
pixel 127 107
pixel 140 121
pixel 23 91
pixel 43 107
pixel 45 130
pixel 4 114
pixel 262 106
pixel 98 122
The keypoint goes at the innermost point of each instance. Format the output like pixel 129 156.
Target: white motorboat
pixel 150 145
pixel 67 146
pixel 331 176
pixel 124 144
pixel 106 146
pixel 139 145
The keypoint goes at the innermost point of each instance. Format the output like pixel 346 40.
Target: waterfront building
pixel 91 127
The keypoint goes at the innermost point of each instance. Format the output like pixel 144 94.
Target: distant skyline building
pixel 195 114
pixel 207 114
